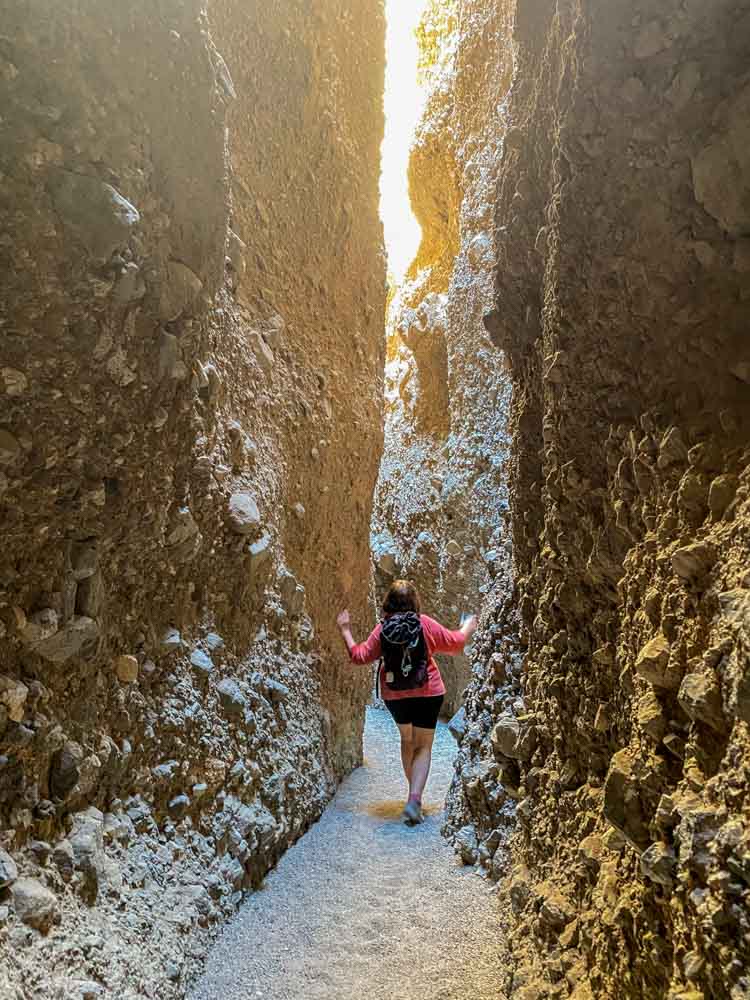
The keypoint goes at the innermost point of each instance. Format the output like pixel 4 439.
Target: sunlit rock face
pixel 610 702
pixel 441 502
pixel 190 430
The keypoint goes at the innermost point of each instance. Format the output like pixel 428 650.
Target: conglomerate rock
pixel 621 305
pixel 441 502
pixel 190 384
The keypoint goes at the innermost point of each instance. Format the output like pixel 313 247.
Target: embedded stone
pixel 78 637
pixel 65 770
pixel 83 559
pixel 458 724
pixel 95 212
pixel 34 904
pixel 260 553
pixel 659 864
pixel 201 661
pixel 39 626
pixel 13 695
pixel 623 806
pixel 10 448
pixel 721 494
pixel 651 716
pixel 555 911
pixel 292 593
pixel 700 698
pixel 231 697
pixel 14 382
pixel 180 288
pixel 691 562
pixel 466 845
pixel 171 363
pixel 652 664
pixel 126 668
pixel 171 641
pixel 244 516
pixel 511 739
pixel 8 870
pixel 262 351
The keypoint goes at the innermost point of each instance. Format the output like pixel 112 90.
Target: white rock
pixel 244 515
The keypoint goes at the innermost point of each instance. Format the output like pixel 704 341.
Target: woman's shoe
pixel 412 814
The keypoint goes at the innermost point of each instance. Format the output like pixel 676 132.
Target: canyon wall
pixel 190 385
pixel 610 712
pixel 440 506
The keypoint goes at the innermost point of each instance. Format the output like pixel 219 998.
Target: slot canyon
pixel 222 420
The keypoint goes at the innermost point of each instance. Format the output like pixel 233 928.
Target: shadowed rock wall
pixel 441 504
pixel 189 438
pixel 621 302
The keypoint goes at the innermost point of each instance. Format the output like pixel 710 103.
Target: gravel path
pixel 363 906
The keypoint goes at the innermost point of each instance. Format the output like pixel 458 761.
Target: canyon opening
pixel 300 299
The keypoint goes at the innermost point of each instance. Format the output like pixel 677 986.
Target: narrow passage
pixel 364 907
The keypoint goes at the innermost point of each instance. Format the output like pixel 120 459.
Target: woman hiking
pixel 409 679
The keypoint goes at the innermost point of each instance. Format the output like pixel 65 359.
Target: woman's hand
pixel 344 621
pixel 469 627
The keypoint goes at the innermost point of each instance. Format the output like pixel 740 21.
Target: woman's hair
pixel 402 596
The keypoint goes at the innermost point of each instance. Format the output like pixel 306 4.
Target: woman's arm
pixel 450 641
pixel 363 652
pixel 344 623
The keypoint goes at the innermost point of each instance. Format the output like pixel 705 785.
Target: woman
pixel 415 710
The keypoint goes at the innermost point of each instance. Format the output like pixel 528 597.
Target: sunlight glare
pixel 403 102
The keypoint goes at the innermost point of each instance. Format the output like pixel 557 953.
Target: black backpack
pixel 404 651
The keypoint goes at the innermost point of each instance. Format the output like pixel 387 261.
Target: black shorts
pixel 420 712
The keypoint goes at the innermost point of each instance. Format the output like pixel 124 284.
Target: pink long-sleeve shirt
pixel 438 640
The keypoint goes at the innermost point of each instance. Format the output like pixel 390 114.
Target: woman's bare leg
pixel 421 760
pixel 407 749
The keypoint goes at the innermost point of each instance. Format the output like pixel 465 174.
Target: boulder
pixel 34 904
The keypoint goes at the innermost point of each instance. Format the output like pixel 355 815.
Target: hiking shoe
pixel 412 814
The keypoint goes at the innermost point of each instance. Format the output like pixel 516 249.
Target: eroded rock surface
pixel 610 701
pixel 192 337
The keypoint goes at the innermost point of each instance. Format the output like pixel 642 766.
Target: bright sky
pixel 403 105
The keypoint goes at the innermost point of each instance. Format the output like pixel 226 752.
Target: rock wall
pixel 440 507
pixel 190 431
pixel 612 698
